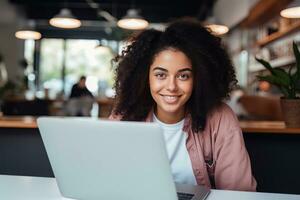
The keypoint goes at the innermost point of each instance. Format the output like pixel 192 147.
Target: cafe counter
pixel 276 127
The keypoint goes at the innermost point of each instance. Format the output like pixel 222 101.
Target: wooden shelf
pixel 263 11
pixel 18 122
pixel 273 127
pixel 280 34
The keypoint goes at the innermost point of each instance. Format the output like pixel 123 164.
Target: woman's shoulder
pixel 222 118
pixel 222 111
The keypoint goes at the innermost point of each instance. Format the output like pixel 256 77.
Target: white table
pixel 37 188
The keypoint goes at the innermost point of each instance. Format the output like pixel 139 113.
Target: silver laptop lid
pixel 94 159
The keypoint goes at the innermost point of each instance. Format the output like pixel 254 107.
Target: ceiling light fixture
pixel 133 21
pixel 292 10
pixel 101 48
pixel 214 27
pixel 217 28
pixel 65 19
pixel 28 33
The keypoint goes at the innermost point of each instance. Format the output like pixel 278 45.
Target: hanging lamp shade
pixel 65 19
pixel 133 21
pixel 218 29
pixel 28 32
pixel 292 10
pixel 28 35
pixel 102 48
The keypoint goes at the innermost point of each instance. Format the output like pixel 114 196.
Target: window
pixel 51 64
pixel 29 57
pixel 62 62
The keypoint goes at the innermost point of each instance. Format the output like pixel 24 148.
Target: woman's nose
pixel 172 85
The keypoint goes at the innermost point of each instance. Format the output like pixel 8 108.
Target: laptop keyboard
pixel 184 196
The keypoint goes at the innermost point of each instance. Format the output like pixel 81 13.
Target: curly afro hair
pixel 213 72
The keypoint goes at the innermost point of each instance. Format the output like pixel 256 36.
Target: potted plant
pixel 288 83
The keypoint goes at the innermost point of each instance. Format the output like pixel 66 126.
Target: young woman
pixel 179 78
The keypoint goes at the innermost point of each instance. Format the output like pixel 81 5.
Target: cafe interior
pixel 46 46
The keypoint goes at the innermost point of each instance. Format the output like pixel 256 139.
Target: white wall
pixel 10 47
pixel 231 12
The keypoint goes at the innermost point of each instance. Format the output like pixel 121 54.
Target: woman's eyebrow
pixel 163 69
pixel 185 69
pixel 159 68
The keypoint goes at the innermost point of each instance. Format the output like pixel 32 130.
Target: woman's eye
pixel 160 76
pixel 183 76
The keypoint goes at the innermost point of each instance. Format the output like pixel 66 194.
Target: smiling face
pixel 171 84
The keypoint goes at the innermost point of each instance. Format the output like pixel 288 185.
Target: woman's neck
pixel 169 118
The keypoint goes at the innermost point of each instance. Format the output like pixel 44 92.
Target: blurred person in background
pixel 81 100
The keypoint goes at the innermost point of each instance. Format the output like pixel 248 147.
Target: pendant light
pixel 101 48
pixel 65 19
pixel 133 21
pixel 216 28
pixel 28 35
pixel 28 32
pixel 292 11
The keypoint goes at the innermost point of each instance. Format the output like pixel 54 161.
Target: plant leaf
pixel 287 82
pixel 272 79
pixel 266 64
pixel 297 57
pixel 287 94
pixel 269 78
pixel 281 77
pixel 297 86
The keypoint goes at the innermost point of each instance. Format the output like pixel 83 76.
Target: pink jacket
pixel 218 153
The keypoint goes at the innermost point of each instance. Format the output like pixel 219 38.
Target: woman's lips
pixel 170 98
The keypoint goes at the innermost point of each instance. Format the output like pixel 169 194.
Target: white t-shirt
pixel 179 158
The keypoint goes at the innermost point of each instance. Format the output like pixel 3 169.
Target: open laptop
pixel 99 159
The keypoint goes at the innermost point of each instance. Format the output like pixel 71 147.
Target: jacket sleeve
pixel 232 162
